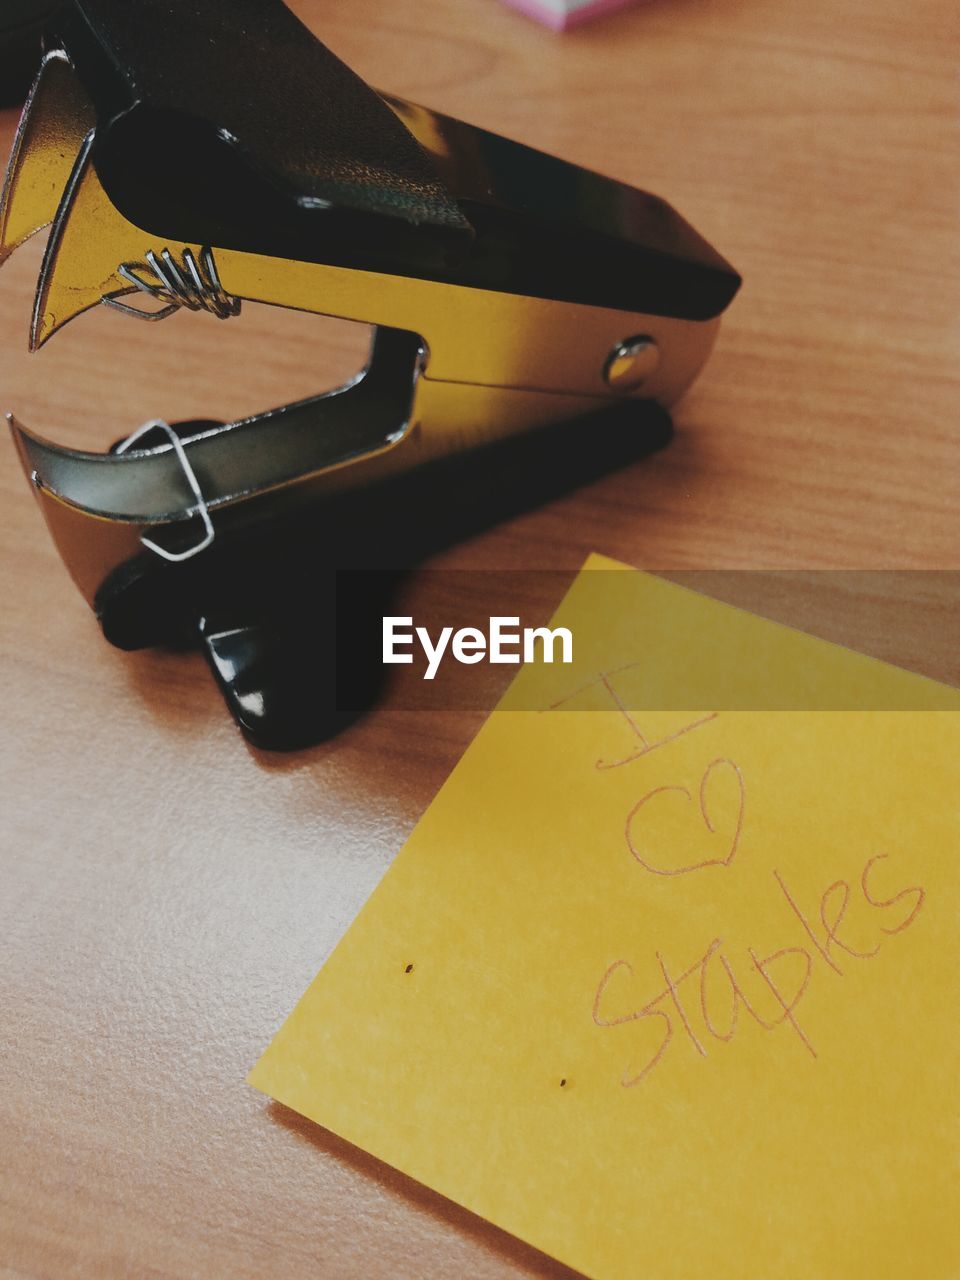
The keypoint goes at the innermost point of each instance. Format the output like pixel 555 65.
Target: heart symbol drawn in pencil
pixel 649 862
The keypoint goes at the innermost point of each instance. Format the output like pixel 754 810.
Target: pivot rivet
pixel 631 363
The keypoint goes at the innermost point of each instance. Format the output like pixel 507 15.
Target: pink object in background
pixel 561 15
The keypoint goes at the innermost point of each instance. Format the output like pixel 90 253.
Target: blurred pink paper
pixel 561 15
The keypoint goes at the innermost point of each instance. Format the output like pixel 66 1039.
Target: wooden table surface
pixel 165 892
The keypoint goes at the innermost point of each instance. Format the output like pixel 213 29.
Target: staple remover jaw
pixel 199 154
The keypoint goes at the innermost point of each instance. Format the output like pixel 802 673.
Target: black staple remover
pixel 533 322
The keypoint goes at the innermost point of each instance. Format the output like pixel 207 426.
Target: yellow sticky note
pixel 669 994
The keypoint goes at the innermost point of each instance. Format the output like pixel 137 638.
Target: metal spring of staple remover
pixel 176 286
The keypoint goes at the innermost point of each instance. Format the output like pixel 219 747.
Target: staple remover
pixel 204 154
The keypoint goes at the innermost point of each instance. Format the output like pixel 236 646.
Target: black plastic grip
pixel 227 122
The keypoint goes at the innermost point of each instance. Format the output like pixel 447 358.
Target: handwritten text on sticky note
pixel 668 993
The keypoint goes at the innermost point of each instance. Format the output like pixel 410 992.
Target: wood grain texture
pixel 165 893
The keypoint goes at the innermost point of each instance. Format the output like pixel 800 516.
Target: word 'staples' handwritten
pixel 779 981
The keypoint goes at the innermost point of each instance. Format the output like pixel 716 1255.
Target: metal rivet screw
pixel 631 362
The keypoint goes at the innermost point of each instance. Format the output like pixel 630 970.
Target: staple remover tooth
pixel 55 121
